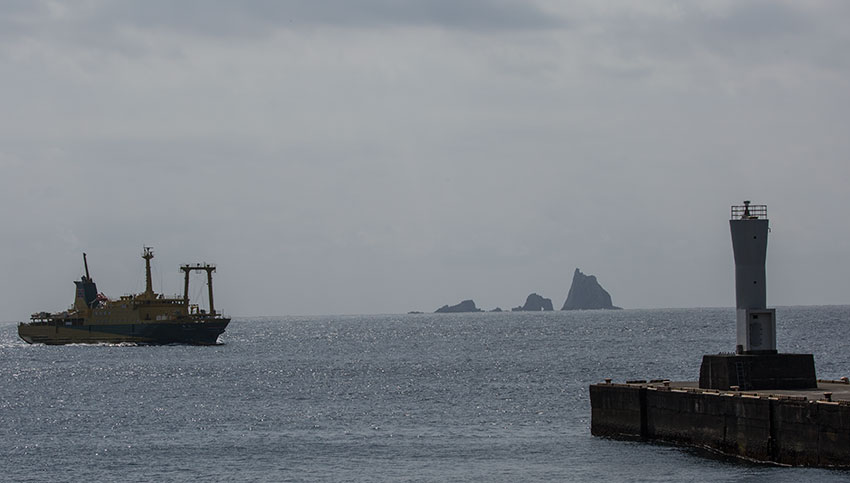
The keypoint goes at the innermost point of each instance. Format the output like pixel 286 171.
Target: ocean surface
pixel 421 397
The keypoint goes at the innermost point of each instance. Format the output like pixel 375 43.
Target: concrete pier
pixel 806 427
pixel 755 403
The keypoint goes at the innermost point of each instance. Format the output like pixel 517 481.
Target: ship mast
pixel 147 254
pixel 205 267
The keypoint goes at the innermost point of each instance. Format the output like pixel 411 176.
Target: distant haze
pixel 384 156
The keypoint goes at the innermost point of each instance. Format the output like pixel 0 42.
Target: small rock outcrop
pixel 534 303
pixel 465 306
pixel 586 294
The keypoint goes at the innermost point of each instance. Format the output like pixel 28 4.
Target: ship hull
pixel 164 332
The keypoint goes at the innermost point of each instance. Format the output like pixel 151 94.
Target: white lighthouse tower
pixel 756 326
pixel 756 364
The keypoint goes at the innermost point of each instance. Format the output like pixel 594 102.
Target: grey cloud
pixel 756 20
pixel 19 10
pixel 759 32
pixel 697 27
pixel 223 17
pixel 122 26
pixel 741 35
pixel 261 17
pixel 18 16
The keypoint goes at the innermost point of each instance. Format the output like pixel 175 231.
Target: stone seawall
pixel 784 429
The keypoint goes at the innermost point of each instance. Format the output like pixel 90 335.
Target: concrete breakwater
pixel 794 427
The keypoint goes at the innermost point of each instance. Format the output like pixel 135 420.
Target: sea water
pixel 419 397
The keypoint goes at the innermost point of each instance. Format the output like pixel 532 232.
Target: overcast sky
pixel 380 156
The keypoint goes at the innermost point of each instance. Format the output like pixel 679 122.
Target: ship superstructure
pixel 146 318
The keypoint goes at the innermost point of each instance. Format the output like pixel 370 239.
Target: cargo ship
pixel 145 318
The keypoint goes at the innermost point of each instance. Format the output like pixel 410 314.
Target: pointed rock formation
pixel 465 306
pixel 587 294
pixel 534 303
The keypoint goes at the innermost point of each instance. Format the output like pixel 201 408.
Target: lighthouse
pixel 756 324
pixel 755 364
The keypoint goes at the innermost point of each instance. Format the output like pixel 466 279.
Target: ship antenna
pixel 86 264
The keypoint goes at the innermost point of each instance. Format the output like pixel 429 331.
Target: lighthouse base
pixel 757 372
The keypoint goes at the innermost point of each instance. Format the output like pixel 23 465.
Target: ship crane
pixel 201 267
pixel 86 264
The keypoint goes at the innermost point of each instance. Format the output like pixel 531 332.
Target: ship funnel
pixel 86 293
